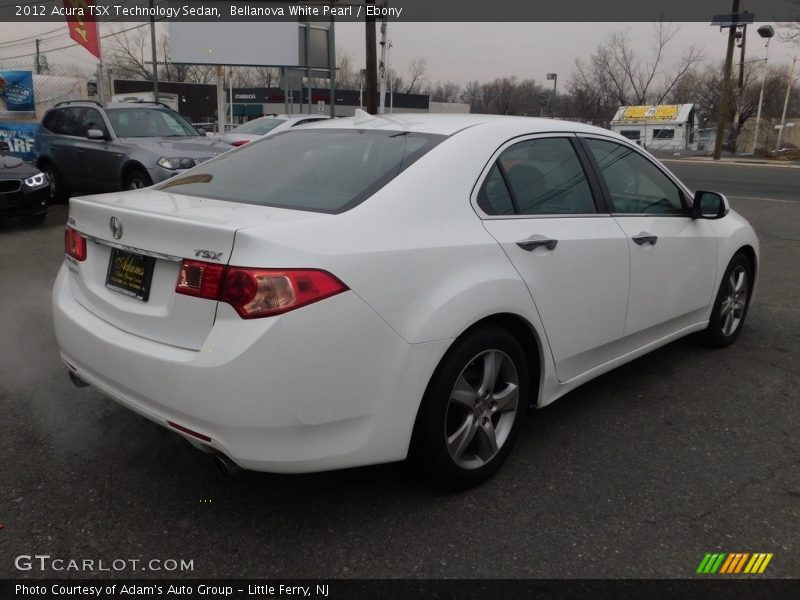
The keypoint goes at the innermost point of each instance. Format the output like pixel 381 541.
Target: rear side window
pixel 326 171
pixel 537 177
pixel 63 121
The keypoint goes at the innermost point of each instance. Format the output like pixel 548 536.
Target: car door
pixel 99 164
pixel 539 201
pixel 64 125
pixel 673 256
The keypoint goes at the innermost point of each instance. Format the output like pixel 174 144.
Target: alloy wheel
pixel 734 302
pixel 482 408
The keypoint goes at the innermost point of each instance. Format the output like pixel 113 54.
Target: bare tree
pixel 417 75
pixel 790 32
pixel 127 54
pixel 616 67
pixel 444 91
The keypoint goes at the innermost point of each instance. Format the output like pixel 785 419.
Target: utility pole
pixel 372 63
pixel 383 65
pixel 786 105
pixel 740 92
pixel 724 102
pixel 153 51
pixel 38 60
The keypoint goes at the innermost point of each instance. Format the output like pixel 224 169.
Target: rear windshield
pixel 259 126
pixel 327 171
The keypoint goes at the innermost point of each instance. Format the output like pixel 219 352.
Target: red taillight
pixel 74 244
pixel 238 143
pixel 257 292
pixel 201 279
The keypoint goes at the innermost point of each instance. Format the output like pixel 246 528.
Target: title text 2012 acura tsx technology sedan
pixel 371 288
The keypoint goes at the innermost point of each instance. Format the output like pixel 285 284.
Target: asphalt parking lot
pixel 637 474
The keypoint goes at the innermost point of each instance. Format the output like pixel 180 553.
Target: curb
pixel 733 162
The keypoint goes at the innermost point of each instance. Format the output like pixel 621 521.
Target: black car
pixel 24 190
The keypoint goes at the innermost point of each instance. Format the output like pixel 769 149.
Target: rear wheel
pixel 472 410
pixel 138 179
pixel 732 302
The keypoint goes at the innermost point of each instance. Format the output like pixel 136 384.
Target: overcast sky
pixel 463 52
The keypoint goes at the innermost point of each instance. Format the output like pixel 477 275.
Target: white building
pixel 663 127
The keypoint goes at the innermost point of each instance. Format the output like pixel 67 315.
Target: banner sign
pixel 82 24
pixel 664 112
pixel 16 88
pixel 19 137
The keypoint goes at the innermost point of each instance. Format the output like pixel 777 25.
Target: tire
pixel 58 189
pixel 137 179
pixel 731 303
pixel 34 219
pixel 460 414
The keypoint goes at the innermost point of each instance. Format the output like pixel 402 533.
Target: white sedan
pixel 252 130
pixel 362 290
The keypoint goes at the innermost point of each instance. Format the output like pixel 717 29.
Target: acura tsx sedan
pixel 364 290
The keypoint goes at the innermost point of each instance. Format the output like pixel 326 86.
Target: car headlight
pixel 37 180
pixel 173 163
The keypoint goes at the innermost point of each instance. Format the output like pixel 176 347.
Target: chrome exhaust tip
pixel 225 466
pixel 77 381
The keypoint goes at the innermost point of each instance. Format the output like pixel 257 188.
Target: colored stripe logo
pixel 734 563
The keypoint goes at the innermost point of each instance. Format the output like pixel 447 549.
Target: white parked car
pixel 252 130
pixel 362 289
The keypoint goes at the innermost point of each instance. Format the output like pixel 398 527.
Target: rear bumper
pixel 327 386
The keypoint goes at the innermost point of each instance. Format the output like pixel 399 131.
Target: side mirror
pixel 709 205
pixel 95 134
pixel 201 131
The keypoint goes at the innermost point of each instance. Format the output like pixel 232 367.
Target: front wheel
pixel 137 180
pixel 473 409
pixel 56 186
pixel 732 302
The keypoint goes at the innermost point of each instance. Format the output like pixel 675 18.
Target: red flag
pixel 82 24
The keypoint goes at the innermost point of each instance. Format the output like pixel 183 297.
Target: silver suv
pixel 128 145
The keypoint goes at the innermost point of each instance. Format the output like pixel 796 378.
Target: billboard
pixel 19 137
pixel 663 112
pixel 16 89
pixel 233 43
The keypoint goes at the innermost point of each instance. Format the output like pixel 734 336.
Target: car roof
pixel 449 124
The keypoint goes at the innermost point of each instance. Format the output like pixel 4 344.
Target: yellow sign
pixel 664 112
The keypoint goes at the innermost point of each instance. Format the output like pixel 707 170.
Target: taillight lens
pixel 74 244
pixel 201 279
pixel 238 143
pixel 254 292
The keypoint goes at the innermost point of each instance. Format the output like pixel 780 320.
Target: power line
pixel 74 44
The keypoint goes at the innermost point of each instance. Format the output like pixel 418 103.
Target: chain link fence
pixel 46 87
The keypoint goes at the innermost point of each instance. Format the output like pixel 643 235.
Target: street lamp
pixel 766 32
pixel 554 78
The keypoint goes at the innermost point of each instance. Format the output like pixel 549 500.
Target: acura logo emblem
pixel 116 227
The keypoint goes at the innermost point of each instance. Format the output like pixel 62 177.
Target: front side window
pixel 148 122
pixel 327 171
pixel 541 177
pixel 91 119
pixel 636 185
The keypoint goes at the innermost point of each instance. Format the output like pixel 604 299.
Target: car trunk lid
pixel 136 242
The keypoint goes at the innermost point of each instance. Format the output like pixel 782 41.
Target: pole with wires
pixel 154 52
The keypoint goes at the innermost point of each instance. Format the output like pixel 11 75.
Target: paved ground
pixel 636 474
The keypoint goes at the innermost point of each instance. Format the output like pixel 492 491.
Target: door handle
pixel 534 242
pixel 645 238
